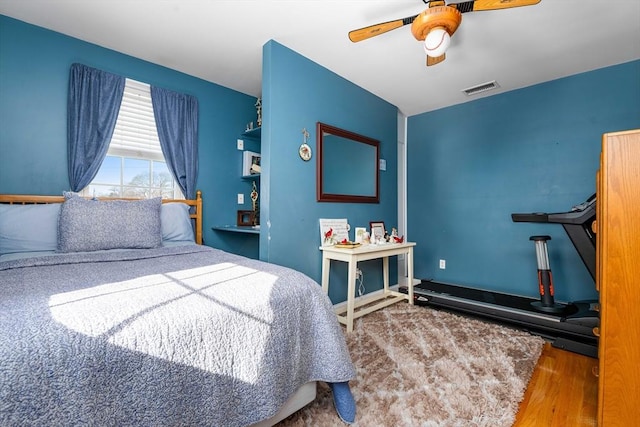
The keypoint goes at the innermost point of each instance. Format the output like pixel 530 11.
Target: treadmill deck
pixel 571 329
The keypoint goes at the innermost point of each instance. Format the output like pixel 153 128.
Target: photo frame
pixel 250 163
pixel 245 218
pixel 377 230
pixel 361 235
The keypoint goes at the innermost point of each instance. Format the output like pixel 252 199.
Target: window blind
pixel 135 133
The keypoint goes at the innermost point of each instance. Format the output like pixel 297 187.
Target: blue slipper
pixel 343 401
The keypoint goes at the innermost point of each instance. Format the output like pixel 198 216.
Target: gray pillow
pixel 92 225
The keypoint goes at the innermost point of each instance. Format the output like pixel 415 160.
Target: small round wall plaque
pixel 305 152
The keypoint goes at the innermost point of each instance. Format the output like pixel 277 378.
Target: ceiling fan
pixel 436 24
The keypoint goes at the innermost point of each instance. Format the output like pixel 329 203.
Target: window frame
pixel 136 127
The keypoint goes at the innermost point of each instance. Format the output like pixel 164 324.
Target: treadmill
pixel 569 328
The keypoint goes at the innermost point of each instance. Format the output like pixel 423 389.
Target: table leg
pixel 385 273
pixel 351 294
pixel 410 274
pixel 326 265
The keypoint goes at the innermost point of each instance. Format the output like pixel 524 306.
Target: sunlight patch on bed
pixel 185 316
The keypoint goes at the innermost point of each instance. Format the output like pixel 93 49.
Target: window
pixel 134 165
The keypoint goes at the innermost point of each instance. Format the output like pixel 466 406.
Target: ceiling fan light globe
pixel 437 42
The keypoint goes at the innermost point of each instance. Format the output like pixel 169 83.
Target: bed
pixel 113 313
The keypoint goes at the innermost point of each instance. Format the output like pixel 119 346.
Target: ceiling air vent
pixel 481 88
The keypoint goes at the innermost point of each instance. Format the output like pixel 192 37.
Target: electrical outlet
pixel 240 199
pixel 240 144
pixel 443 264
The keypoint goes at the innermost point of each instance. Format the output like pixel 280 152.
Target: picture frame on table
pixel 333 231
pixel 361 235
pixel 377 230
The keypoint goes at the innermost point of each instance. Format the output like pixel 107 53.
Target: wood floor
pixel 563 391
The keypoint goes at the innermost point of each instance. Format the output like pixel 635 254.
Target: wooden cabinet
pixel 618 279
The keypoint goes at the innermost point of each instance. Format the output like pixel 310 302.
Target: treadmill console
pixel 579 214
pixel 577 223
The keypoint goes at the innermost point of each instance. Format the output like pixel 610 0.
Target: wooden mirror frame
pixel 321 195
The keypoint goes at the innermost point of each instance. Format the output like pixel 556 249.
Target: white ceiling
pixel 221 41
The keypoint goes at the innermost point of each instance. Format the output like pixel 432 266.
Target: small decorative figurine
pixel 259 111
pixel 395 237
pixel 254 201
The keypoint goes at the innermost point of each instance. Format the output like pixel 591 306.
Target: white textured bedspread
pixel 182 336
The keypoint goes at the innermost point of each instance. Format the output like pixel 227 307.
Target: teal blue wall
pixel 531 150
pixel 297 93
pixel 34 69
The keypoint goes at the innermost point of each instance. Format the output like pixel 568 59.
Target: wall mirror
pixel 347 166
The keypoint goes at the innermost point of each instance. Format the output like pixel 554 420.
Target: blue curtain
pixel 92 111
pixel 176 117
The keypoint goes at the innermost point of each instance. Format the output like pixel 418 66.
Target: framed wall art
pixel 250 163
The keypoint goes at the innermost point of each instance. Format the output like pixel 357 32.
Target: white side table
pixel 364 253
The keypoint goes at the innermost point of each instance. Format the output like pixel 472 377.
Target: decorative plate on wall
pixel 305 152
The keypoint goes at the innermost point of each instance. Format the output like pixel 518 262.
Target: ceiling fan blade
pixel 377 29
pixel 475 5
pixel 433 61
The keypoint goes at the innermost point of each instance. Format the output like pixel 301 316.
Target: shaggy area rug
pixel 417 366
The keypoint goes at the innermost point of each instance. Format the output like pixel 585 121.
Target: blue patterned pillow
pixel 90 225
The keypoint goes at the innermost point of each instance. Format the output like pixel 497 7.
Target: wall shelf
pixel 249 179
pixel 238 229
pixel 254 176
pixel 253 133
